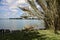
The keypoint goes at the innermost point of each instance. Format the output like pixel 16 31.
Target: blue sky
pixel 9 9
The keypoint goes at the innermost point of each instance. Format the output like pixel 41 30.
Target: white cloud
pixel 7 14
pixel 10 8
pixel 21 1
pixel 9 1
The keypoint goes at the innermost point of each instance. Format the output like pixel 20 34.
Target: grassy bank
pixel 50 34
pixel 30 35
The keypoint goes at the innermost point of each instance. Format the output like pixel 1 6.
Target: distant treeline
pixel 26 18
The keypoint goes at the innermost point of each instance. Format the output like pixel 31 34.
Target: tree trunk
pixel 58 13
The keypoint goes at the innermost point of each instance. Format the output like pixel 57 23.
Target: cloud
pixel 21 1
pixel 8 8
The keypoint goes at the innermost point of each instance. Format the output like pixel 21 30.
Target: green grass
pixel 31 35
pixel 50 34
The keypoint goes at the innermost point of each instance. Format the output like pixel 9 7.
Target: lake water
pixel 17 24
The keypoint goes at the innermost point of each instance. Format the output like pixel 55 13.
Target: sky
pixel 9 8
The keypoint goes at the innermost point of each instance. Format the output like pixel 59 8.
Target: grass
pixel 30 35
pixel 50 34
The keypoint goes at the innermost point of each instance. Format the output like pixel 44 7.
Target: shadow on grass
pixel 23 35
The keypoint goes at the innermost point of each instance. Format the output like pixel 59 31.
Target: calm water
pixel 19 24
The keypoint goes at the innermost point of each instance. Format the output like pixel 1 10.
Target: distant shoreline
pixel 25 19
pixel 19 19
